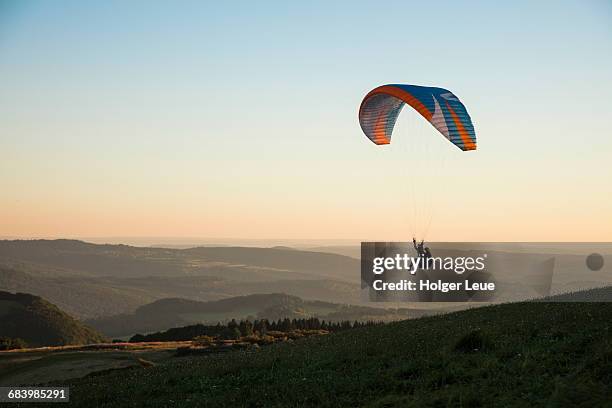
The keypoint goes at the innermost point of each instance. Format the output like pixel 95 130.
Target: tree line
pixel 236 329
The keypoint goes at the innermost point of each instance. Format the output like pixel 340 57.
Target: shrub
pixel 473 341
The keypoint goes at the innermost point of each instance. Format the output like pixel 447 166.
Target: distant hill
pixel 89 280
pixel 93 281
pixel 318 263
pixel 92 297
pixel 85 259
pixel 79 296
pixel 168 313
pixel 40 323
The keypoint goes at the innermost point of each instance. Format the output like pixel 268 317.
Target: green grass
pixel 523 354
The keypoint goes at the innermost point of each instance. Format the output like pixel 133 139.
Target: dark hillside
pixel 40 323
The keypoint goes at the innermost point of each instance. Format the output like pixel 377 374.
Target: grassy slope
pixel 553 354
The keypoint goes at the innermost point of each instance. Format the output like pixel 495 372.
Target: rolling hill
pixel 168 313
pixel 520 354
pixel 93 281
pixel 80 297
pixel 40 323
pixel 319 263
pixel 90 280
pixel 85 259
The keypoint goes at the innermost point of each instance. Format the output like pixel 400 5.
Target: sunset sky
pixel 192 120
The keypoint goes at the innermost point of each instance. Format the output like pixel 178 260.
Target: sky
pixel 204 119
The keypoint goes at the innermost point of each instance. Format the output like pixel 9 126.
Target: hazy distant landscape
pixel 122 290
pixel 103 282
pixel 69 309
pixel 89 280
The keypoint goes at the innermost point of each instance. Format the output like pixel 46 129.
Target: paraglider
pixel 378 114
pixel 381 107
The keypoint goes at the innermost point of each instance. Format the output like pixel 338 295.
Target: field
pixel 537 354
pixel 35 366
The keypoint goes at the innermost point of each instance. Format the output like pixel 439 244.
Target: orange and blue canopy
pixel 381 107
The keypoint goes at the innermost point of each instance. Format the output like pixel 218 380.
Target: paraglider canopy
pixel 381 106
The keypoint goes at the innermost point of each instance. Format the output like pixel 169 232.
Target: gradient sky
pixel 188 119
